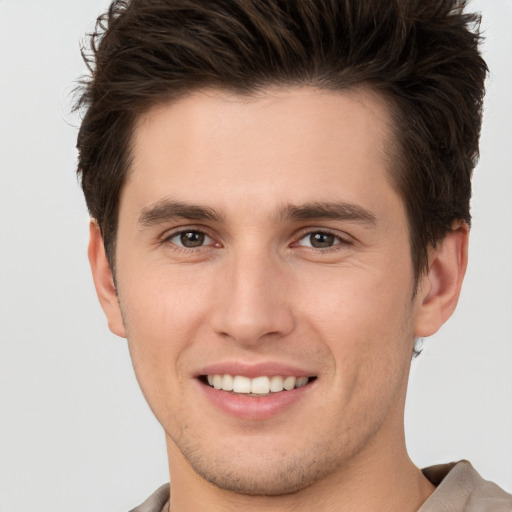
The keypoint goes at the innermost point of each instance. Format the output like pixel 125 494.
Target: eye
pixel 190 239
pixel 320 240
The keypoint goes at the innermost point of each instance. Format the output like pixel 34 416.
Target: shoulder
pixel 461 489
pixel 157 502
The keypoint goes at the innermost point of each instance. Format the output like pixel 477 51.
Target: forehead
pixel 305 143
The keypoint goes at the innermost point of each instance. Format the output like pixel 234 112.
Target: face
pixel 263 247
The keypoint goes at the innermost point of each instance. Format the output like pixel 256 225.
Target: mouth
pixel 256 392
pixel 258 386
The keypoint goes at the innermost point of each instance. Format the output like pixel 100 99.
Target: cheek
pixel 161 324
pixel 162 301
pixel 364 316
pixel 163 316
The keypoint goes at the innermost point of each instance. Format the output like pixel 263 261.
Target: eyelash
pixel 340 240
pixel 167 239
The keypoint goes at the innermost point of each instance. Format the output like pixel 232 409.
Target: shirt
pixel 459 488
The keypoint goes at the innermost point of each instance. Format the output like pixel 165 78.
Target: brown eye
pixel 320 240
pixel 191 239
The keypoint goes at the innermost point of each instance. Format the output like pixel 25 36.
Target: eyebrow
pixel 167 210
pixel 325 211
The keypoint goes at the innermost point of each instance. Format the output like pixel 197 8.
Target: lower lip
pixel 255 408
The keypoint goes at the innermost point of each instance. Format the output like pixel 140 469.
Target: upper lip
pixel 254 370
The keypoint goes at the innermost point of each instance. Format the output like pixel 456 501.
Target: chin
pixel 259 473
pixel 277 482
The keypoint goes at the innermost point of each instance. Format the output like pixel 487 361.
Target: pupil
pixel 192 239
pixel 322 240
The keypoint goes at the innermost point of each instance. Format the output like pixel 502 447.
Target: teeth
pixel 289 383
pixel 301 381
pixel 241 384
pixel 227 383
pixel 258 386
pixel 217 381
pixel 276 384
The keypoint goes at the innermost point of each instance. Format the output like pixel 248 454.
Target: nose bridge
pixel 251 303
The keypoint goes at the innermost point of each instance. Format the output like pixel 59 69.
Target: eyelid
pixel 344 238
pixel 168 235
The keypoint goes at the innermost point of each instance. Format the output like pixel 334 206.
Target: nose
pixel 253 301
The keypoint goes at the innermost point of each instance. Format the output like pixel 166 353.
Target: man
pixel 279 194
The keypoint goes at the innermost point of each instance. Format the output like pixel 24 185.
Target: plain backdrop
pixel 75 432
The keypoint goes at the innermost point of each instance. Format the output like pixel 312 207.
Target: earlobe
pixel 103 281
pixel 439 287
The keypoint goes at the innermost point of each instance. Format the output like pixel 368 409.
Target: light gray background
pixel 75 433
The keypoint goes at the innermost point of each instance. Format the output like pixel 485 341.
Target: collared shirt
pixel 459 488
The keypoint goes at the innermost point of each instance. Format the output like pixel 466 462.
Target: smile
pixel 258 386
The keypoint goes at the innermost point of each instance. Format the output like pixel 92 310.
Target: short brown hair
pixel 422 55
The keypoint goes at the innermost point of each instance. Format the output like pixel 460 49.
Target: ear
pixel 439 288
pixel 104 281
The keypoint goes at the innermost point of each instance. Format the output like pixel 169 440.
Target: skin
pixel 256 291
